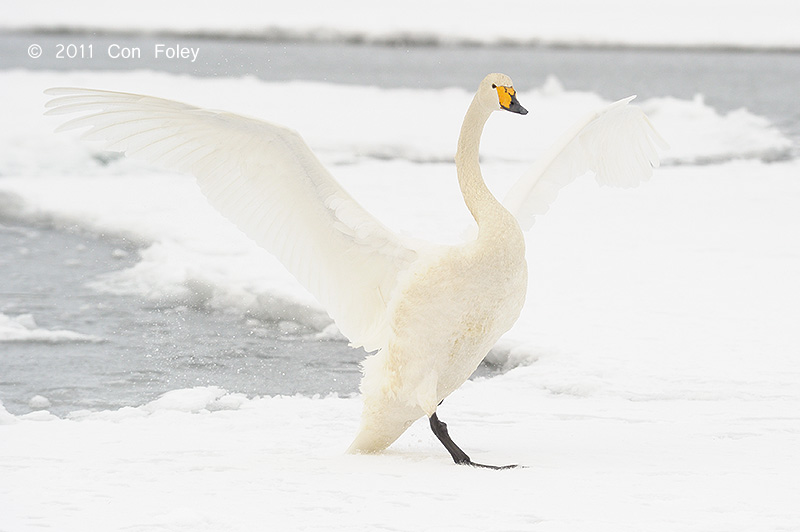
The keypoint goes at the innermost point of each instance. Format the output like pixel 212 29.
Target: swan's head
pixel 497 92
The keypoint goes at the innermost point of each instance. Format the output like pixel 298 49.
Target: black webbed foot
pixel 439 428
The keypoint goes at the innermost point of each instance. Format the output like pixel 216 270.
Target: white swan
pixel 431 312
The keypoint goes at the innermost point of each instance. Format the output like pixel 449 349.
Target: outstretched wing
pixel 617 143
pixel 265 179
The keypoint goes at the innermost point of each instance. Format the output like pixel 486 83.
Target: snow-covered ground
pixel 653 378
pixel 707 23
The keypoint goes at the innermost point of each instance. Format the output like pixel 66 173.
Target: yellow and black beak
pixel 508 100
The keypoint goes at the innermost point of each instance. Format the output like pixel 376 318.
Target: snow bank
pixel 6 418
pixel 701 135
pixel 569 22
pixel 23 328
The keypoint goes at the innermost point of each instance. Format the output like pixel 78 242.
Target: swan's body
pixel 430 313
pixel 450 310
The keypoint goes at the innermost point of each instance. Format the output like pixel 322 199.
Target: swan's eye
pixel 494 86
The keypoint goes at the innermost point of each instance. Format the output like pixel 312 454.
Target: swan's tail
pixel 382 422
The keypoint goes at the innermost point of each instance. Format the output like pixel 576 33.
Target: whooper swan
pixel 430 313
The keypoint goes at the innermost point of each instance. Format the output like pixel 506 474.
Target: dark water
pixel 148 347
pixel 152 347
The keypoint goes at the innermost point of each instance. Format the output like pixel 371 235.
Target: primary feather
pixel 617 143
pixel 265 179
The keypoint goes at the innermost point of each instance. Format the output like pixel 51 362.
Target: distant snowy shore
pixel 770 24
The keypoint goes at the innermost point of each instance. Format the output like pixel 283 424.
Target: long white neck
pixel 484 207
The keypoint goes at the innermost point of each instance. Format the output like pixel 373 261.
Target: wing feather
pixel 265 179
pixel 617 143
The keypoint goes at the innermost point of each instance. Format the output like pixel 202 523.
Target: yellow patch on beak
pixel 504 94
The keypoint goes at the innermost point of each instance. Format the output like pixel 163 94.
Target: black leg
pixel 460 457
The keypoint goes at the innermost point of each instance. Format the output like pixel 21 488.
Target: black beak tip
pixel 515 107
